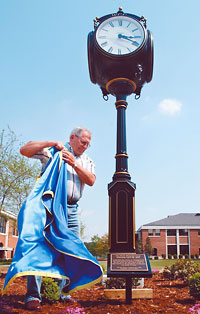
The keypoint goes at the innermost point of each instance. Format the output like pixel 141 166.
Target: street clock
pixel 120 53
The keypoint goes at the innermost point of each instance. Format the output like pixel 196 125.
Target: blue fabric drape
pixel 46 246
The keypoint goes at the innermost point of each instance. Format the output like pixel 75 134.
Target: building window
pixel 2 224
pixel 15 229
pixel 171 232
pixel 150 232
pixel 157 232
pixel 183 232
pixel 172 249
pixel 155 251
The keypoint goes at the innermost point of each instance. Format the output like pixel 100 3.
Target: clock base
pixel 120 86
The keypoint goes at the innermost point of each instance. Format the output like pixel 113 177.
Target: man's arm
pixel 33 147
pixel 85 176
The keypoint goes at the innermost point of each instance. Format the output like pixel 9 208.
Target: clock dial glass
pixel 120 35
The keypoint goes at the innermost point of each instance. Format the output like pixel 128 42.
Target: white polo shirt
pixel 74 185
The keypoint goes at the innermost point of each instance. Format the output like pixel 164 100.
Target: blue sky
pixel 45 91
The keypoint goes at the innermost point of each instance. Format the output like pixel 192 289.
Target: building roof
pixel 9 214
pixel 179 220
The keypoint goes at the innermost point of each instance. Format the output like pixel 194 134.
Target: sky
pixel 45 91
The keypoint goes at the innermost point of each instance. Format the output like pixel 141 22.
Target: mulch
pixel 168 297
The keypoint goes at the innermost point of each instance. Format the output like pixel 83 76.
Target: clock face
pixel 120 35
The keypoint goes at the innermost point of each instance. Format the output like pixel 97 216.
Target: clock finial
pixel 120 10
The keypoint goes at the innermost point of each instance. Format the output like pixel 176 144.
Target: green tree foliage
pixel 139 246
pixel 98 245
pixel 92 246
pixel 82 230
pixel 148 248
pixel 102 246
pixel 17 173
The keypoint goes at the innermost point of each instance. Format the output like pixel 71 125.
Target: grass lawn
pixel 159 264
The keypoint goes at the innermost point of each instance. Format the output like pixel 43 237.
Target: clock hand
pixel 128 38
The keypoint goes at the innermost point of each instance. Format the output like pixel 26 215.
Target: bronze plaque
pixel 128 262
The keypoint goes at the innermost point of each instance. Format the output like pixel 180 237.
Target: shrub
pixel 120 283
pixel 186 256
pixel 183 269
pixel 164 256
pixel 155 257
pixel 197 256
pixel 175 256
pixel 4 261
pixel 49 290
pixel 194 285
pixel 169 256
pixel 180 256
pixel 192 256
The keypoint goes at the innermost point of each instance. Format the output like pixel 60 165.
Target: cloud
pixel 170 106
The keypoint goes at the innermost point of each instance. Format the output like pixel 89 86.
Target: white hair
pixel 79 129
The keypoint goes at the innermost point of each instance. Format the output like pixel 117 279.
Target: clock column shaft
pixel 121 191
pixel 121 155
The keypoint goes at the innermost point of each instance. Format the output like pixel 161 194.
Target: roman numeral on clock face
pixel 120 35
pixel 104 44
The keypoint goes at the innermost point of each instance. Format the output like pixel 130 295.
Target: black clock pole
pixel 121 204
pixel 122 171
pixel 121 155
pixel 122 258
pixel 120 60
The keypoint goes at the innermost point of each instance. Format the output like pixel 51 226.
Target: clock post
pixel 120 59
pixel 122 258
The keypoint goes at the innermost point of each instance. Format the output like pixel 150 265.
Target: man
pixel 80 171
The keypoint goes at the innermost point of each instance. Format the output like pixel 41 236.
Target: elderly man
pixel 80 171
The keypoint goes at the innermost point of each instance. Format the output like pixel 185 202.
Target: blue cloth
pixel 46 245
pixel 34 282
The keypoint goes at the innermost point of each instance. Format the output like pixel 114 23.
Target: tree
pixel 148 248
pixel 139 246
pixel 17 173
pixel 93 244
pixel 82 230
pixel 98 245
pixel 102 246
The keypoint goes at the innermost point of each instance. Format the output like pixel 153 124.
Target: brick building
pixel 8 234
pixel 177 234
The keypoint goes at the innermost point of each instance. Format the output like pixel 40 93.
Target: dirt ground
pixel 168 297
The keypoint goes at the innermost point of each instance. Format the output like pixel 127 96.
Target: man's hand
pixel 59 145
pixel 84 175
pixel 68 157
